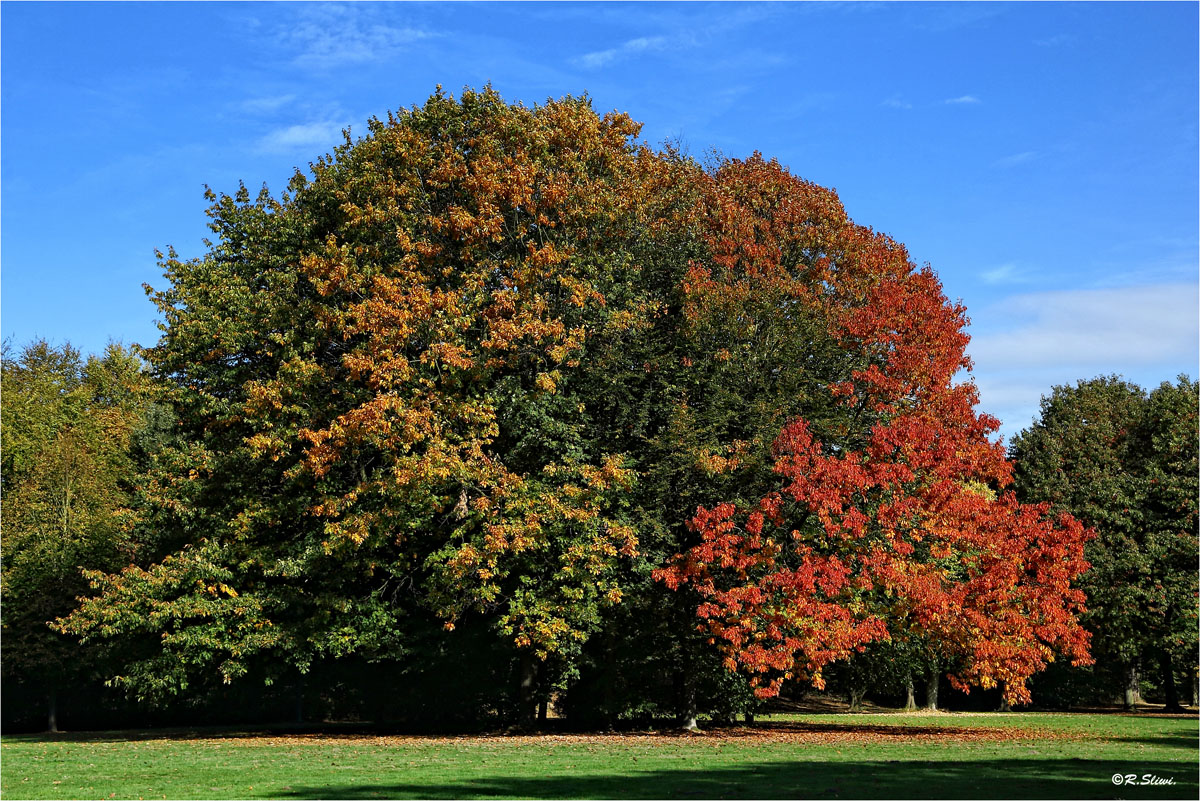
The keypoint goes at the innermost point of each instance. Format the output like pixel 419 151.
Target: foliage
pixel 67 425
pixel 383 386
pixel 880 528
pixel 1124 463
pixel 485 365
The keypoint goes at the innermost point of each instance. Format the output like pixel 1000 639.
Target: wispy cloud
pixel 1017 158
pixel 1005 274
pixel 307 136
pixel 1032 342
pixel 963 100
pixel 333 35
pixel 1091 328
pixel 265 105
pixel 896 101
pixel 642 44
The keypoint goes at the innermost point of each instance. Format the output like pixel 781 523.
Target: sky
pixel 1041 157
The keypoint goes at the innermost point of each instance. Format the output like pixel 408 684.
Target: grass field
pixel 942 755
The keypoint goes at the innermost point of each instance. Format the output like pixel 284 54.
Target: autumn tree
pixel 1124 463
pixel 68 426
pixel 385 382
pixel 479 371
pixel 879 525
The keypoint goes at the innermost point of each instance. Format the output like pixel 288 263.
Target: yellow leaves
pixel 547 382
pixel 267 445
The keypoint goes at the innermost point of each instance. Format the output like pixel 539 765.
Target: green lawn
pixel 1025 755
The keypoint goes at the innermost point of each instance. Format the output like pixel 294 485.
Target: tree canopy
pixel 506 369
pixel 1124 463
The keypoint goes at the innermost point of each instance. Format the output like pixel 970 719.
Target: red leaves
pixel 888 525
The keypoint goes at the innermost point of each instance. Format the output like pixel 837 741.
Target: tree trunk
pixel 931 690
pixel 526 681
pixel 856 694
pixel 1133 695
pixel 1004 705
pixel 910 701
pixel 52 711
pixel 1193 686
pixel 1171 693
pixel 685 695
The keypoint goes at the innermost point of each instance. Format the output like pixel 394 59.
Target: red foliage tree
pixel 885 522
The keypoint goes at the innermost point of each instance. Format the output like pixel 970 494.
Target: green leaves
pixel 1124 463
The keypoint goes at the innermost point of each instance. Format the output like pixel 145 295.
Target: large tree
pixel 480 370
pixel 880 524
pixel 386 383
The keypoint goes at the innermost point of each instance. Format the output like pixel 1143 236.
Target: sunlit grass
pixel 943 755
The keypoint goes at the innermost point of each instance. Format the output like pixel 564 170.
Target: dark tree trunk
pixel 1170 691
pixel 1193 686
pixel 52 711
pixel 910 701
pixel 749 718
pixel 526 683
pixel 1133 695
pixel 856 694
pixel 685 698
pixel 1004 705
pixel 931 690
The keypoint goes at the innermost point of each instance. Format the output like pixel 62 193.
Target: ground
pixel 892 755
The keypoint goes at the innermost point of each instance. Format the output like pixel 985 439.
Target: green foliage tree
pixel 385 385
pixel 67 425
pixel 1124 463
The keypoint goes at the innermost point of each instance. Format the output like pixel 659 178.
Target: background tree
pixel 67 429
pixel 1123 462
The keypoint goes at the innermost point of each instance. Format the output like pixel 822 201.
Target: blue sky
pixel 1042 157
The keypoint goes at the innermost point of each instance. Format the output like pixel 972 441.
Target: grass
pixel 944 755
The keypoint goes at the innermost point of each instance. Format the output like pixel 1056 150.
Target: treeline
pixel 499 410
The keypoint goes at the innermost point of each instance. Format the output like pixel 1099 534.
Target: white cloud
pixel 642 44
pixel 265 105
pixel 308 136
pixel 1017 158
pixel 1004 274
pixel 964 100
pixel 895 101
pixel 331 35
pixel 1027 344
pixel 1091 328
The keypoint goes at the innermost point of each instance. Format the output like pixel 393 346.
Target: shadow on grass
pixel 1003 778
pixel 1165 741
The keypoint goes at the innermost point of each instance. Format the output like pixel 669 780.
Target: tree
pixel 1123 463
pixel 1170 481
pixel 67 426
pixel 880 520
pixel 479 371
pixel 382 382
